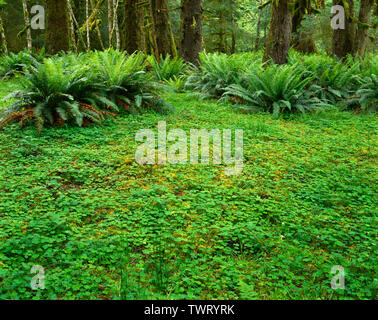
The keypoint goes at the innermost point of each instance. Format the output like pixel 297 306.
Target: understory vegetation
pixel 73 200
pixel 90 86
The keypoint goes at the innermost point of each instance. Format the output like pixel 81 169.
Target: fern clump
pixel 126 82
pixel 168 68
pixel 53 95
pixel 337 79
pixel 18 63
pixel 366 97
pixel 218 71
pixel 276 89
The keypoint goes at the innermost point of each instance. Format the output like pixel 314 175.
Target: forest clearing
pixel 80 205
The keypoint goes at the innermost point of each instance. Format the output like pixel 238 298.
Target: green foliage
pixel 87 86
pixel 338 79
pixel 218 71
pixel 18 63
pixel 277 89
pixel 168 68
pixel 367 95
pixel 102 227
pixel 369 65
pixel 127 83
pixel 53 94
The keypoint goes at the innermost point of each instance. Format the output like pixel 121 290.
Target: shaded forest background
pixel 228 26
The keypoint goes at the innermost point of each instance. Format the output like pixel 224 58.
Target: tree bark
pixel 97 28
pixel 73 18
pixel 110 23
pixel 4 44
pixel 57 38
pixel 191 30
pixel 72 27
pixel 343 39
pixel 149 30
pixel 278 42
pixel 257 41
pixel 27 25
pixel 115 23
pixel 302 41
pixel 362 33
pixel 164 35
pixel 87 25
pixel 133 26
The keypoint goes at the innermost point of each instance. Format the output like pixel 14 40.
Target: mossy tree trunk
pixel 302 41
pixel 149 30
pixel 57 34
pixel 133 33
pixel 278 42
pixel 191 30
pixel 4 45
pixel 343 39
pixel 163 29
pixel 362 33
pixel 27 25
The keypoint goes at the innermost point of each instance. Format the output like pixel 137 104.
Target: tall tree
pixel 278 42
pixel 72 27
pixel 4 45
pixel 110 23
pixel 27 25
pixel 57 38
pixel 191 30
pixel 303 41
pixel 149 30
pixel 343 39
pixel 115 24
pixel 258 27
pixel 162 21
pixel 362 33
pixel 133 31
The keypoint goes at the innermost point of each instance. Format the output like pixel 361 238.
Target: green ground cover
pixel 74 201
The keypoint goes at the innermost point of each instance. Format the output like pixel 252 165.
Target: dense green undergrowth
pixel 74 201
pixel 85 88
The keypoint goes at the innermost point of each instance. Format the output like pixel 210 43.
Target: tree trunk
pixel 302 41
pixel 97 27
pixel 72 27
pixel 110 24
pixel 115 24
pixel 149 30
pixel 257 42
pixel 73 18
pixel 87 25
pixel 133 26
pixel 222 47
pixel 278 42
pixel 57 26
pixel 233 26
pixel 4 45
pixel 363 26
pixel 191 30
pixel 27 25
pixel 164 35
pixel 343 39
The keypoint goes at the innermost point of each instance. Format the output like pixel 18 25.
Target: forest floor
pixel 74 201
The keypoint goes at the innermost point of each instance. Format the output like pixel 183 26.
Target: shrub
pixel 127 83
pixel 218 71
pixel 367 96
pixel 369 66
pixel 168 68
pixel 338 79
pixel 18 63
pixel 277 89
pixel 52 94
